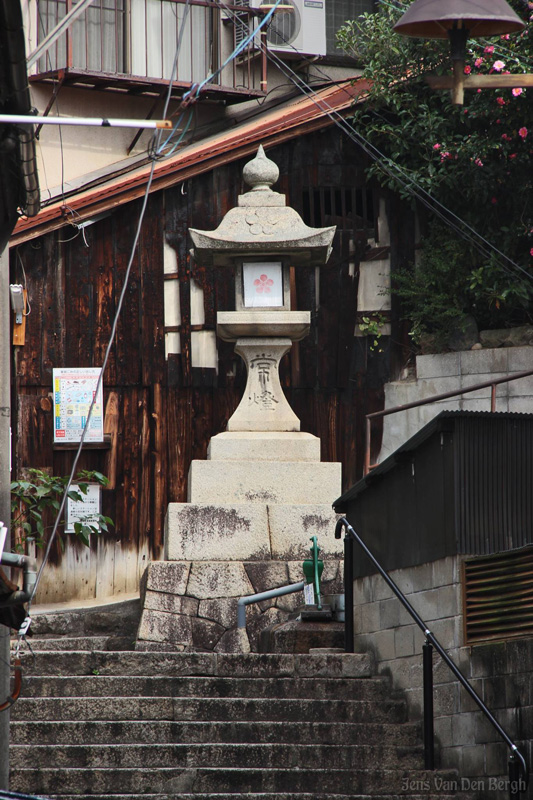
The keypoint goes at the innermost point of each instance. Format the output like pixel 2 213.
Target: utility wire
pixel 112 335
pixel 394 171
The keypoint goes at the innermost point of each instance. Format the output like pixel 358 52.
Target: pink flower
pixel 500 101
pixel 437 146
pixel 478 62
pixel 531 252
pixel 467 70
pixel 522 133
pixel 489 50
pixel 512 155
pixel 498 66
pixel 444 155
pixel 505 36
pixel 478 162
pixel 517 92
pixel 263 284
pixel 506 137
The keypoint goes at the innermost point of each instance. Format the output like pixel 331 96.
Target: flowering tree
pixel 474 159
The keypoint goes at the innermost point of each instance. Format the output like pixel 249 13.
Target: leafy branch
pixel 34 501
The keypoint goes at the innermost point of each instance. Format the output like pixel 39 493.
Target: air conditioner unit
pixel 300 31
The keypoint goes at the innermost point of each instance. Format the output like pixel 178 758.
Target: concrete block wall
pixel 447 372
pixel 500 672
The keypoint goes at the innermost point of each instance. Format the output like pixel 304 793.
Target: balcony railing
pixel 127 44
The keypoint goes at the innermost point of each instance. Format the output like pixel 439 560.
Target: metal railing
pixel 268 595
pixel 434 399
pixel 518 771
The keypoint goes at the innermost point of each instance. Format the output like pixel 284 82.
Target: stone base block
pixel 197 532
pixel 264 482
pixel 292 526
pixel 264 446
pixel 253 532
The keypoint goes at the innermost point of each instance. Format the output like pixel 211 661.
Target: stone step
pixel 167 732
pixel 255 665
pixel 254 796
pixel 259 756
pixel 172 781
pixel 209 709
pixel 90 643
pixel 142 686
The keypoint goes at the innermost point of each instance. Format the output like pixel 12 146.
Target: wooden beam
pixel 482 81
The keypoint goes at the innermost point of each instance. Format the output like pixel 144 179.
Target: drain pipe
pixel 269 595
pixel 29 565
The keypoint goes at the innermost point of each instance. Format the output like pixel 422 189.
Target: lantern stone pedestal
pixel 262 493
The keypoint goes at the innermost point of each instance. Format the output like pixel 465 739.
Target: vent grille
pixel 498 596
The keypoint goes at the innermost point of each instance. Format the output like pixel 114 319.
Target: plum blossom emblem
pixel 262 284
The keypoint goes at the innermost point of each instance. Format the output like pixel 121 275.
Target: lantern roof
pixel 432 19
pixel 262 225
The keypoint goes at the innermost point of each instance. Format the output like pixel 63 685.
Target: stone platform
pixel 254 505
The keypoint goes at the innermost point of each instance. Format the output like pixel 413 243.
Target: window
pixel 337 13
pixel 130 37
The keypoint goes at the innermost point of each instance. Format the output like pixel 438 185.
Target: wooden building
pixel 170 385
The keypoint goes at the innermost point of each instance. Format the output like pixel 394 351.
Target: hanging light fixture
pixel 457 21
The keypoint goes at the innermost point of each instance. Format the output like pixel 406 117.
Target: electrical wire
pixel 112 336
pixel 394 171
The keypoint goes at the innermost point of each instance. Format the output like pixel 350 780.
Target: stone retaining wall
pixel 192 605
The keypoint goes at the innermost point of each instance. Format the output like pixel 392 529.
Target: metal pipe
pixel 101 122
pixel 30 576
pixel 437 645
pixel 268 595
pixel 435 399
pixel 429 737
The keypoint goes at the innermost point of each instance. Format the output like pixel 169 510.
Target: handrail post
pixel 429 739
pixel 348 593
pixel 516 783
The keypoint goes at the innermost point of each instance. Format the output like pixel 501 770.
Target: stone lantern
pixel 261 239
pixel 262 491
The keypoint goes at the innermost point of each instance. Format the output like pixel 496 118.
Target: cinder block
pixel 199 532
pixel 486 361
pixel 438 365
pixel 520 359
pixel 404 642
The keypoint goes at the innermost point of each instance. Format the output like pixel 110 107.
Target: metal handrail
pixel 268 595
pixel 431 640
pixel 434 399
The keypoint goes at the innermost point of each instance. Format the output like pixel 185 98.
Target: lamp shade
pixel 432 19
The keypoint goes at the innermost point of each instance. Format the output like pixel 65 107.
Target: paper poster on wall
pixel 87 511
pixel 74 389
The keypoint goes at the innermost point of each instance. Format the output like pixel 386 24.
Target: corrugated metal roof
pixel 295 118
pixel 438 423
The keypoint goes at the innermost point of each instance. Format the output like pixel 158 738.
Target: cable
pixel 388 166
pixel 394 171
pixel 112 335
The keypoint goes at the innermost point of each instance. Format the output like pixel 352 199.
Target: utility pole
pixel 5 505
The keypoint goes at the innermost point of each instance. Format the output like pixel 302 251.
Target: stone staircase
pixel 117 725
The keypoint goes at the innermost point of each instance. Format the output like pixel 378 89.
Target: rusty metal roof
pixel 295 118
